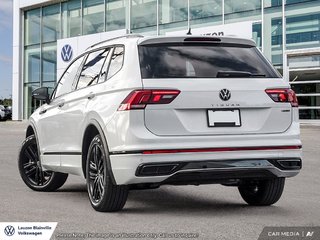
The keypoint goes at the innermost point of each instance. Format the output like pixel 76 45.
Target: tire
pixel 104 196
pixel 31 171
pixel 262 192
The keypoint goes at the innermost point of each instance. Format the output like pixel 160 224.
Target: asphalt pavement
pixel 210 211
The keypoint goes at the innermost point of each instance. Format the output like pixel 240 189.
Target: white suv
pixel 138 112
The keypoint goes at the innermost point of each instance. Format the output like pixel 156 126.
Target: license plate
pixel 224 118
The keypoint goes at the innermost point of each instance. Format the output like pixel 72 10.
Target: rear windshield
pixel 203 61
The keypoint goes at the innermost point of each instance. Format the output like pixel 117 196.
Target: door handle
pixel 43 111
pixel 91 96
pixel 60 105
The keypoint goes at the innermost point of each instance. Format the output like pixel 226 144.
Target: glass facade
pixel 71 18
pixel 93 16
pixel 205 11
pixel 51 23
pixel 43 26
pixel 239 9
pixel 143 15
pixel 173 14
pixel 116 14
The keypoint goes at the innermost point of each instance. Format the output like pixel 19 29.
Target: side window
pixel 116 61
pixel 66 82
pixel 104 70
pixel 92 68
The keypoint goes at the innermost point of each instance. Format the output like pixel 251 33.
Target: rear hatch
pixel 222 88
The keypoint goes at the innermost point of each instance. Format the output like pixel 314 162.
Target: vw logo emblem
pixel 9 230
pixel 225 94
pixel 66 53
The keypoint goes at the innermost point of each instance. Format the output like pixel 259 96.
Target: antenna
pixel 189 32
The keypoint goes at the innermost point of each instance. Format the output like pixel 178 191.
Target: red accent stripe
pixel 231 149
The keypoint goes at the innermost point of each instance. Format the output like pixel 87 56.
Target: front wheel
pixel 103 194
pixel 31 170
pixel 262 192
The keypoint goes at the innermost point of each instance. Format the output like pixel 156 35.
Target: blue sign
pixel 66 53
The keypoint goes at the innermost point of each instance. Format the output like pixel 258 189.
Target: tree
pixel 6 102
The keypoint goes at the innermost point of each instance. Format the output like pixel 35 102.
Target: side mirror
pixel 41 94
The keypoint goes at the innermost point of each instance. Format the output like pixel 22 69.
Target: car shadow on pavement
pixel 174 200
pixel 74 188
pixel 164 201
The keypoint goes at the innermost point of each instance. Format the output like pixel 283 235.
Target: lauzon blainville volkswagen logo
pixel 225 94
pixel 9 230
pixel 66 53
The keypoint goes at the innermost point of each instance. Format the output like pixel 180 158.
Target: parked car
pixel 140 112
pixel 8 110
pixel 2 113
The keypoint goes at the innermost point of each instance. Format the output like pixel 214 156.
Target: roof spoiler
pixel 197 39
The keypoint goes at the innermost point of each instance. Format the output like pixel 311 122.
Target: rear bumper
pixel 142 147
pixel 206 167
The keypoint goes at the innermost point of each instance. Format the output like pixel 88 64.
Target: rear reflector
pixel 283 95
pixel 139 99
pixel 221 149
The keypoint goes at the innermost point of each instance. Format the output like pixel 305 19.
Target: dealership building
pixel 47 35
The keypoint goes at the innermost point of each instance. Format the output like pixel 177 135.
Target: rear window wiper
pixel 236 74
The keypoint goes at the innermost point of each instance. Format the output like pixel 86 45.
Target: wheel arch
pixel 30 131
pixel 92 129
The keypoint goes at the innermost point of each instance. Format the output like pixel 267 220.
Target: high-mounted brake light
pixel 139 99
pixel 283 95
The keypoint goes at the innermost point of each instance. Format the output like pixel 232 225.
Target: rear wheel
pixel 31 170
pixel 262 192
pixel 103 194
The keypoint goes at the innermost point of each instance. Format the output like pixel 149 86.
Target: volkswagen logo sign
pixel 9 230
pixel 66 53
pixel 225 94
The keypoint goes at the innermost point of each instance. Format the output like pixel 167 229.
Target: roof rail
pixel 110 39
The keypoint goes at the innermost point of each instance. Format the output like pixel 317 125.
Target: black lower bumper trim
pixel 217 176
pixel 163 169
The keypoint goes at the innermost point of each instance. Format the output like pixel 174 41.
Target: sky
pixel 5 48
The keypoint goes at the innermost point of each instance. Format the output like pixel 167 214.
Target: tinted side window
pixel 66 82
pixel 116 61
pixel 92 68
pixel 104 70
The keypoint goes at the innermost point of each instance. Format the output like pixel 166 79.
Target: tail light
pixel 139 99
pixel 283 95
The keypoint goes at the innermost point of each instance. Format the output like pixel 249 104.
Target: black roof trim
pixel 119 37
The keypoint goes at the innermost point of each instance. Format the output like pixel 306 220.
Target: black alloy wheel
pixel 31 170
pixel 97 173
pixel 104 195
